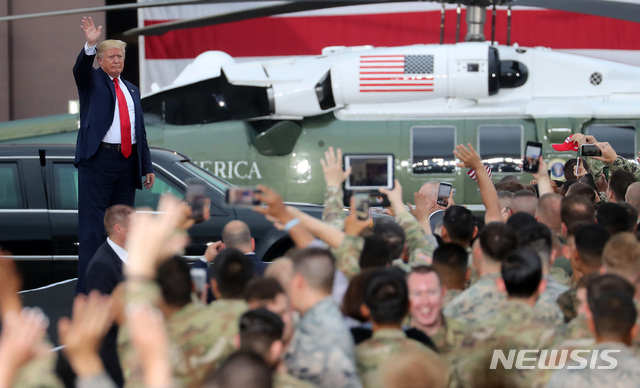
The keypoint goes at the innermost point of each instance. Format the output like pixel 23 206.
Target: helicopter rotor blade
pixel 613 9
pixel 119 7
pixel 234 16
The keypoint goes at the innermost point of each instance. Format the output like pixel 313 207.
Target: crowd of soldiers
pixel 541 291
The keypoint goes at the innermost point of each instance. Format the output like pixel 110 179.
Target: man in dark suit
pixel 236 235
pixel 105 272
pixel 112 153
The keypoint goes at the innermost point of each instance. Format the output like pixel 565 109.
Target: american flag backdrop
pixel 396 73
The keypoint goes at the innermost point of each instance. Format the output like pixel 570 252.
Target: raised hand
pixel 275 206
pixel 154 238
pixel 609 155
pixel 83 333
pixel 21 341
pixel 150 340
pixel 91 33
pixel 468 156
pixel 334 174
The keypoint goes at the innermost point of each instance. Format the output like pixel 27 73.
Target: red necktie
pixel 125 124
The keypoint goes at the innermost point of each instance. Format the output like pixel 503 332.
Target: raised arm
pixel 418 238
pixel 277 211
pixel 470 158
pixel 544 182
pixel 10 284
pixel 334 175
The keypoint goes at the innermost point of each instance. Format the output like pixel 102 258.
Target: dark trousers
pixel 104 180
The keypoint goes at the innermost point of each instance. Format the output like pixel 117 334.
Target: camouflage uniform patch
pixel 625 374
pixel 348 255
pixel 514 325
pixel 285 380
pixel 419 245
pixel 322 350
pixel 200 338
pixel 450 295
pixel 450 335
pixel 333 213
pixel 39 372
pixel 384 344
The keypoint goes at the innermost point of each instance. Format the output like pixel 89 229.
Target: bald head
pixel 317 267
pixel 236 235
pixel 524 201
pixel 633 195
pixel 548 210
pixel 430 190
pixel 282 270
pixel 621 256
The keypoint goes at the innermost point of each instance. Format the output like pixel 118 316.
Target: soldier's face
pixel 112 61
pixel 581 296
pixel 281 307
pixel 425 295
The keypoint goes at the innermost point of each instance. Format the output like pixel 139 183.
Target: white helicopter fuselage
pixel 434 81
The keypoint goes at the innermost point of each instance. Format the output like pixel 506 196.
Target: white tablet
pixel 369 172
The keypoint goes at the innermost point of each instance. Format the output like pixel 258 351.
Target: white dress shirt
pixel 120 251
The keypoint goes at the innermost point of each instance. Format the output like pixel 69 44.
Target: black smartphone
pixel 590 150
pixel 242 196
pixel 444 192
pixel 605 172
pixel 196 191
pixel 532 152
pixel 362 199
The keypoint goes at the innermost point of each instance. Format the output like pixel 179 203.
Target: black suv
pixel 39 209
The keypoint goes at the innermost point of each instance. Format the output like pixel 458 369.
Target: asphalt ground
pixel 55 300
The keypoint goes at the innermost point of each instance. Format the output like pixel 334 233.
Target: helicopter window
pixel 621 137
pixel 500 147
pixel 432 150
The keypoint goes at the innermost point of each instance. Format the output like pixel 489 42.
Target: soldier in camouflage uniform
pixel 261 331
pixel 426 295
pixel 478 301
pixel 589 241
pixel 515 324
pixel 386 298
pixel 614 320
pixel 200 336
pixel 452 263
pixel 483 298
pixel 322 350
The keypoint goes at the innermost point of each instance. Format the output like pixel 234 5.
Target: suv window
pixel 162 185
pixel 432 149
pixel 500 147
pixel 10 193
pixel 66 189
pixel 621 137
pixel 65 186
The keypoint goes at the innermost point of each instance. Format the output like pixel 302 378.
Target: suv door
pixel 24 222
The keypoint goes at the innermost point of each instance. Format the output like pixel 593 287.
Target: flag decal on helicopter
pixel 396 73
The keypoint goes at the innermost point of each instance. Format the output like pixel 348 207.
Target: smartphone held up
pixel 362 200
pixel 444 193
pixel 242 196
pixel 195 197
pixel 532 153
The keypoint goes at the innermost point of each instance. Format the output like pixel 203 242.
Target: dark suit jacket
pixel 104 271
pixel 103 274
pixel 97 105
pixel 258 265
